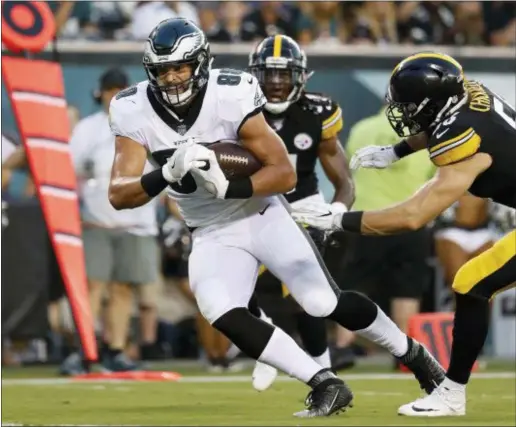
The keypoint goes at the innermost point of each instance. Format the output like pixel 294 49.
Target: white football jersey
pixel 230 98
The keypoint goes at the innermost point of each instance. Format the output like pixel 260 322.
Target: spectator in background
pixel 111 18
pixel 426 22
pixel 13 157
pixel 374 23
pixel 222 22
pixel 321 23
pixel 500 22
pixel 269 18
pixel 462 233
pixel 148 14
pixel 120 247
pixel 470 28
pixel 73 18
pixel 392 268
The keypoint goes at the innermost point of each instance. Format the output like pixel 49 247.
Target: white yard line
pixel 235 379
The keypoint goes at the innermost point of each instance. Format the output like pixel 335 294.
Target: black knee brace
pixel 354 311
pixel 248 333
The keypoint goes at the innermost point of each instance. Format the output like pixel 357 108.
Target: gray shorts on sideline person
pixel 119 256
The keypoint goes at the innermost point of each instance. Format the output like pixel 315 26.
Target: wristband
pixel 153 183
pixel 240 189
pixel 352 221
pixel 402 149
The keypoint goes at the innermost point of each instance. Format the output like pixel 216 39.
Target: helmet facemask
pixel 408 119
pixel 181 92
pixel 282 82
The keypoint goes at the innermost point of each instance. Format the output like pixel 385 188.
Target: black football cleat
pixel 329 395
pixel 423 365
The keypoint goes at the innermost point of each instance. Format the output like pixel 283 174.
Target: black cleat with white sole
pixel 329 395
pixel 423 365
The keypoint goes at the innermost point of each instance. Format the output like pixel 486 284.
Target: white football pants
pixel 224 262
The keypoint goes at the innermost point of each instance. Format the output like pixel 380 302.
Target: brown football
pixel 234 160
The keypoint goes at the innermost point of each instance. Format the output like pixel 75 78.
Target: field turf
pixel 200 399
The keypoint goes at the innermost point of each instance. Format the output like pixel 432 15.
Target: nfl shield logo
pixel 181 129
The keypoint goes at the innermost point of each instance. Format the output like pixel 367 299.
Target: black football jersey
pixel 312 119
pixel 485 124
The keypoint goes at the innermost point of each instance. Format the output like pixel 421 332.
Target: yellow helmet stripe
pixel 277 46
pixel 429 55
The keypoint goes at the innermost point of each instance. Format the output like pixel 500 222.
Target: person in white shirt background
pixel 148 14
pixel 120 247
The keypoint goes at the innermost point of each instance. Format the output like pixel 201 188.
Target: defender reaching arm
pixel 380 157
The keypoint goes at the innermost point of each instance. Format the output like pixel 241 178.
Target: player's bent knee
pixel 354 311
pixel 237 323
pixel 318 302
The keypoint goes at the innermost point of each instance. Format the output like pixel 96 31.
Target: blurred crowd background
pixel 137 261
pixel 472 23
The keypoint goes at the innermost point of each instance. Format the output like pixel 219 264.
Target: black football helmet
pixel 279 64
pixel 424 88
pixel 174 42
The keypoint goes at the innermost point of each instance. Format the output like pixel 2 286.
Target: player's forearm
pixel 345 192
pixel 388 221
pixel 127 193
pixel 274 179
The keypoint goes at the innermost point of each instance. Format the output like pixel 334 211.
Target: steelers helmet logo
pixel 27 25
pixel 303 141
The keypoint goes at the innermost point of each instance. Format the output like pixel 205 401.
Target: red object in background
pixel 27 25
pixel 129 376
pixel 434 331
pixel 36 92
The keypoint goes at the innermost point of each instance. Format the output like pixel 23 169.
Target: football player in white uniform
pixel 236 225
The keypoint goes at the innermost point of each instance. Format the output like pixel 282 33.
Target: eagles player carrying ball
pixel 236 225
pixel 308 123
pixel 470 134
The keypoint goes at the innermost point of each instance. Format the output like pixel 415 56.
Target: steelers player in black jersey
pixel 309 125
pixel 470 134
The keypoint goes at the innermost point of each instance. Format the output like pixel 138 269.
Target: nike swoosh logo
pixel 250 81
pixel 422 409
pixel 262 212
pixel 438 135
pixel 326 214
pixel 334 399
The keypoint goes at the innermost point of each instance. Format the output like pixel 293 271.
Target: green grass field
pixel 200 399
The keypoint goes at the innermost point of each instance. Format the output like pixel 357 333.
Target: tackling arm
pixel 335 165
pixel 417 142
pixel 449 183
pixel 277 175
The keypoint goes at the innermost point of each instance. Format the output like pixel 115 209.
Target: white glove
pixel 207 167
pixel 374 156
pixel 180 163
pixel 320 215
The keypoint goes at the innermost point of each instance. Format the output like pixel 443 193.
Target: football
pixel 234 160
